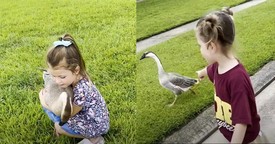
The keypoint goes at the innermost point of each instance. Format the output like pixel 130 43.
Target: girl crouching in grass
pixel 90 116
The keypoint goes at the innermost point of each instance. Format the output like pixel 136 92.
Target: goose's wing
pixel 181 81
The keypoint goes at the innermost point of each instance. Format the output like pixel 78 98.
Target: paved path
pixel 266 108
pixel 154 40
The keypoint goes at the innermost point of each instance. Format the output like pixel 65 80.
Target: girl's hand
pixel 200 76
pixel 57 129
pixel 201 73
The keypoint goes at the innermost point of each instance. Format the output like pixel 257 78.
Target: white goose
pixel 59 100
pixel 171 81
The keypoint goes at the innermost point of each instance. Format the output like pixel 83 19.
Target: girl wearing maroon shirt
pixel 235 106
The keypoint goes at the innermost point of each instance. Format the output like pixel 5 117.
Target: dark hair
pixel 70 54
pixel 219 27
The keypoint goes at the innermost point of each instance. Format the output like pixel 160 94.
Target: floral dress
pixel 93 119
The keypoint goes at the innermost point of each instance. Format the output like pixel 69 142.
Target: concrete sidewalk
pixel 203 128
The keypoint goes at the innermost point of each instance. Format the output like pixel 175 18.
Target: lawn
pixel 105 33
pixel 254 44
pixel 156 16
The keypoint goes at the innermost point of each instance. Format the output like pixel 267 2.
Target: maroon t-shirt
pixel 234 101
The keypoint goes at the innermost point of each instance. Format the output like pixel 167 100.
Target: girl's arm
pixel 202 73
pixel 238 134
pixel 76 109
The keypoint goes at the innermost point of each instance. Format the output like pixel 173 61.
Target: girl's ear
pixel 77 70
pixel 213 47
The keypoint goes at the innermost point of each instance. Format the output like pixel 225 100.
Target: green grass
pixel 255 44
pixel 105 33
pixel 155 16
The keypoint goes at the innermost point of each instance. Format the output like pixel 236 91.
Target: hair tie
pixel 62 43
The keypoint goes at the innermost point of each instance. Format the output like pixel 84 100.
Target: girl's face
pixel 206 50
pixel 63 77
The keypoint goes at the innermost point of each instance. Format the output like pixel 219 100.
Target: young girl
pixel 235 105
pixel 90 116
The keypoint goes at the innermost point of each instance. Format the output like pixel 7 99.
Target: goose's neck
pixel 160 68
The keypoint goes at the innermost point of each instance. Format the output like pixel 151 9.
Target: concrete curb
pixel 204 125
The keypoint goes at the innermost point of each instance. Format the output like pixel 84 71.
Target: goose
pixel 59 100
pixel 174 82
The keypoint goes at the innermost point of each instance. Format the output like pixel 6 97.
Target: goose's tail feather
pixel 66 108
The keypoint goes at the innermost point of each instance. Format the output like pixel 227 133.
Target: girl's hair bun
pixel 227 11
pixel 212 20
